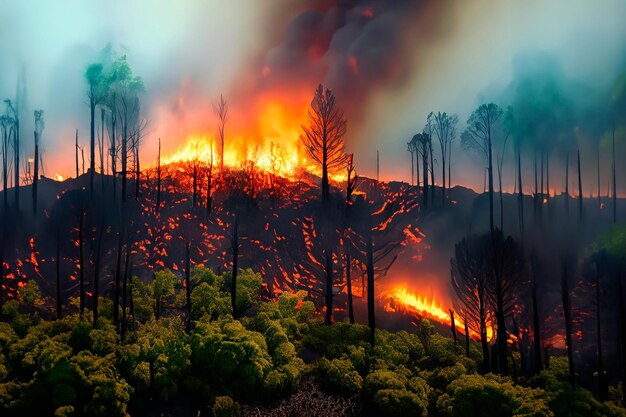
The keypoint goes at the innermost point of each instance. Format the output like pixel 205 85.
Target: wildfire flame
pixel 273 144
pixel 403 300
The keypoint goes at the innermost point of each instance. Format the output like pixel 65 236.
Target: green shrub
pixel 400 403
pixel 340 375
pixel 226 407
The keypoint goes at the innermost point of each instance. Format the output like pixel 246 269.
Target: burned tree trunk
pixel 567 183
pixel 124 293
pixel 371 313
pixel 59 301
pixel 536 328
pixel 580 190
pixel 96 273
pixel 602 388
pixel 76 152
pixel 349 284
pixel 613 167
pixel 102 166
pixel 81 264
pixel 329 281
pixel 158 199
pixel 188 277
pixel 467 337
pixel 520 195
pixel 453 325
pixel 118 266
pixel 567 314
pixel 233 284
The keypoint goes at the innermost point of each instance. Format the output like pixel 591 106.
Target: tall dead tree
pixel 567 315
pixel 38 129
pixel 480 135
pixel 235 252
pixel 324 137
pixel 350 186
pixel 158 198
pixel 7 125
pixel 614 182
pixel 444 127
pixel 221 111
pixel 580 190
pixel 209 186
pixel 13 111
pixel 470 283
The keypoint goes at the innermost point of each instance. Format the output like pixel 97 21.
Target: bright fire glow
pixel 403 300
pixel 273 145
pixel 58 177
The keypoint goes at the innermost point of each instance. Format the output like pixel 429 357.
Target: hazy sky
pixel 202 44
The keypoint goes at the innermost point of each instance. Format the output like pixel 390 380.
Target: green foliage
pixel 74 368
pixel 159 357
pixel 340 375
pixel 400 403
pixel 491 396
pixel 226 407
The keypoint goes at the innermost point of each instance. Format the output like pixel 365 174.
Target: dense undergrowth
pixel 278 359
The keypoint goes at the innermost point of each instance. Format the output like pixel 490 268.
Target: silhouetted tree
pixel 324 137
pixel 94 75
pixel 7 125
pixel 444 127
pixel 350 186
pixel 479 136
pixel 221 111
pixel 158 199
pixel 567 315
pixel 235 269
pixel 14 113
pixel 470 283
pixel 38 129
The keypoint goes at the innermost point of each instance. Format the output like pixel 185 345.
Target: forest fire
pixel 402 300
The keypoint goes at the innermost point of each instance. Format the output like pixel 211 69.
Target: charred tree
pixel 76 147
pixel 479 135
pixel 324 137
pixel 221 110
pixel 444 126
pixel 209 187
pixel 567 314
pixel 7 126
pixel 15 115
pixel 235 270
pixel 536 322
pixel 452 325
pixel 38 129
pixel 59 301
pixel 614 182
pixel 125 293
pixel 158 198
pixel 580 190
pixel 96 273
pixel 350 186
pixel 81 264
pixel 188 277
pixel 470 283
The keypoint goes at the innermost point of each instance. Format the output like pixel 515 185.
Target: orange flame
pixel 403 300
pixel 273 144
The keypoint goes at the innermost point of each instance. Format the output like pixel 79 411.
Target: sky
pixel 448 56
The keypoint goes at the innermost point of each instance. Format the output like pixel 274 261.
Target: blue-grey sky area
pixel 407 58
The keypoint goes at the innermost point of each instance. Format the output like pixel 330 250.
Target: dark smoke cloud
pixel 353 47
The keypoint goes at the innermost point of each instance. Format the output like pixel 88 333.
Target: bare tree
pixel 39 125
pixel 479 135
pixel 470 283
pixel 221 110
pixel 7 125
pixel 350 186
pixel 13 111
pixel 444 127
pixel 324 137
